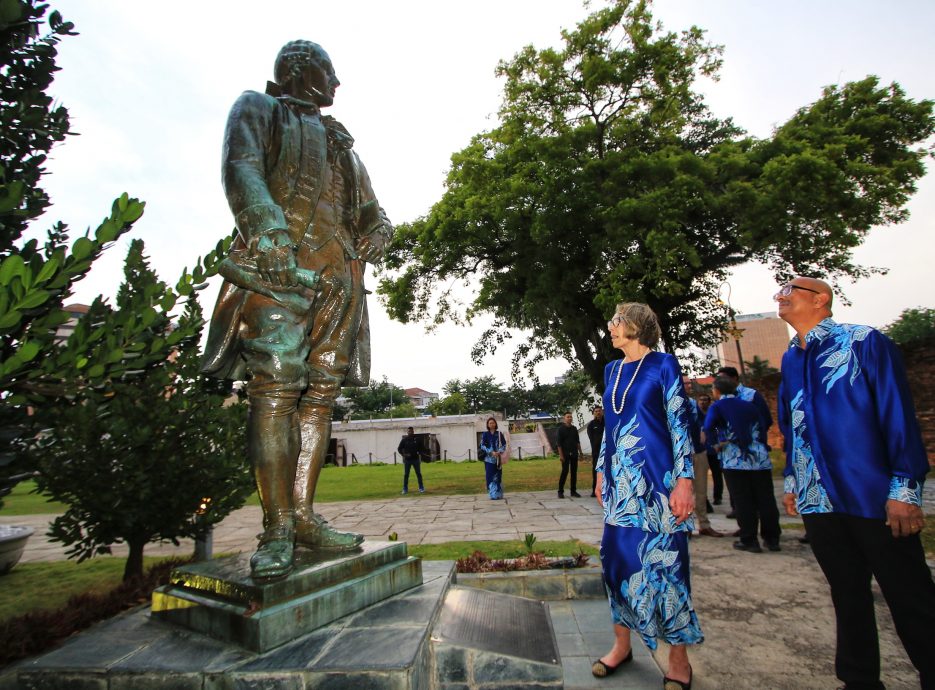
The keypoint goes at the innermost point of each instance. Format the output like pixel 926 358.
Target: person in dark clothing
pixel 409 449
pixel 569 448
pixel 596 437
pixel 714 464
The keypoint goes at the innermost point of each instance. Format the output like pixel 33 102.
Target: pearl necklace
pixel 613 395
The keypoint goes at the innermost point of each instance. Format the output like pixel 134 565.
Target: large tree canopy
pixel 609 180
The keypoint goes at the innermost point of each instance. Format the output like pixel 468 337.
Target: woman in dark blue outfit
pixel 644 476
pixel 493 446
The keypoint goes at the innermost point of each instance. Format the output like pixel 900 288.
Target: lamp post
pixel 732 330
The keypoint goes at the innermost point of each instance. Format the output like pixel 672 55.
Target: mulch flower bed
pixel 479 562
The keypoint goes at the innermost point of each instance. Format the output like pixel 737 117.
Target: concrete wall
pixel 377 440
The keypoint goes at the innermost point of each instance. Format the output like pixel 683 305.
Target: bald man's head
pixel 804 302
pixel 819 286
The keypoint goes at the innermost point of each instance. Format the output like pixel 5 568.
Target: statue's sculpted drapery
pixel 291 317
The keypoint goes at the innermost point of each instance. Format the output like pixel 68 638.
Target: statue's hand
pixel 275 259
pixel 369 250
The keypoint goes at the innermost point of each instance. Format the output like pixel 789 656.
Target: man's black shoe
pixel 593 494
pixel 575 494
pixel 731 515
pixel 561 494
pixel 752 548
pixel 774 546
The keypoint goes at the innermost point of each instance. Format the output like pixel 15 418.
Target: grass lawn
pixel 453 550
pixel 21 501
pixel 369 482
pixel 47 586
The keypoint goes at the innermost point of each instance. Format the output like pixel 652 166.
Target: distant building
pixel 420 398
pixel 75 312
pixel 365 441
pixel 762 335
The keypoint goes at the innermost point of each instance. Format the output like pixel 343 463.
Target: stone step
pixel 219 598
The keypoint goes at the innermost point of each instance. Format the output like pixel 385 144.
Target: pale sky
pixel 149 84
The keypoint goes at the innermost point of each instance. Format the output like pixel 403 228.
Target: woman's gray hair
pixel 639 322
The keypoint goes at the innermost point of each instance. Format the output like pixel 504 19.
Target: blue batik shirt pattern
pixel 649 445
pixel 844 400
pixel 740 425
pixel 811 495
pixel 746 394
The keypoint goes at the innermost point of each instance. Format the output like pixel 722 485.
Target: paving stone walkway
pixel 416 519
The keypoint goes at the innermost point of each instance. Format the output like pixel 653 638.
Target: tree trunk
pixel 134 566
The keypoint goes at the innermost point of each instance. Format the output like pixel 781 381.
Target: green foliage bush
pixel 913 325
pixel 136 466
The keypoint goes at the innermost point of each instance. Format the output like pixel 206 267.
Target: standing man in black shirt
pixel 569 447
pixel 409 449
pixel 596 437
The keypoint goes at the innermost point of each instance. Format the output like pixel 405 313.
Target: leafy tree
pixel 454 403
pixel 759 368
pixel 480 394
pixel 558 398
pixel 376 399
pixel 134 468
pixel 912 325
pixel 35 369
pixel 608 180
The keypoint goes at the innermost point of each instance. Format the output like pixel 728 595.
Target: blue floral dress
pixel 644 553
pixel 489 443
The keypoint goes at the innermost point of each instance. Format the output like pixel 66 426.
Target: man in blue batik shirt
pixel 737 429
pixel 855 466
pixel 751 395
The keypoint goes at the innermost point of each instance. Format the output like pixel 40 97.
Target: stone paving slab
pixel 584 631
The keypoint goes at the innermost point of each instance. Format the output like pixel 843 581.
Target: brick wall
pixel 919 359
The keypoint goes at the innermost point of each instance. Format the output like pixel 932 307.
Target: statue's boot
pixel 273 441
pixel 311 529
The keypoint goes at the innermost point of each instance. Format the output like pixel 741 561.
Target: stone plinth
pixel 219 598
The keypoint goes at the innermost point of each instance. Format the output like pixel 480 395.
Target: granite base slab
pixel 384 646
pixel 219 598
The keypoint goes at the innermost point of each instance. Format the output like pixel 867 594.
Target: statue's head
pixel 304 70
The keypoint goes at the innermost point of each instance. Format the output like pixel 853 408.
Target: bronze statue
pixel 291 317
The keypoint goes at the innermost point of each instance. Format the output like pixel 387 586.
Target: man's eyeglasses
pixel 615 321
pixel 787 289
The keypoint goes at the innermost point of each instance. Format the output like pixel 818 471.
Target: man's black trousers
pixel 849 550
pixel 754 503
pixel 571 462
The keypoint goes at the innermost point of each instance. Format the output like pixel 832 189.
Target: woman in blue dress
pixel 644 476
pixel 493 446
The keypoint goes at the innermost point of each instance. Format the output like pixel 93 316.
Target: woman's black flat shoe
pixel 672 684
pixel 601 670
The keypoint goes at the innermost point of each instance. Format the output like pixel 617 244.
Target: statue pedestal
pixel 219 598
